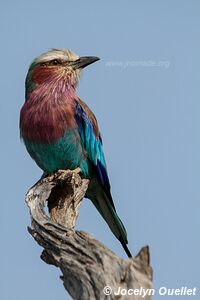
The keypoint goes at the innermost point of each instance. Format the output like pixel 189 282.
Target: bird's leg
pixel 77 170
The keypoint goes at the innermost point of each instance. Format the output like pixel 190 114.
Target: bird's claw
pixel 77 170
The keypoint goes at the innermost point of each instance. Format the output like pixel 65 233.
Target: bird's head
pixel 57 64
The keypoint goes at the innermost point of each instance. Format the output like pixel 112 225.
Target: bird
pixel 60 131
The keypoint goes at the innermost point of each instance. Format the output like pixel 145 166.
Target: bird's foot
pixel 77 170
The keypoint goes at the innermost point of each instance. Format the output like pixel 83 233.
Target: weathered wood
pixel 88 267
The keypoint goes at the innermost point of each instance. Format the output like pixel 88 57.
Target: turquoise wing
pixel 92 143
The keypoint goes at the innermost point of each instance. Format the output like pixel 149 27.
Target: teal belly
pixel 66 153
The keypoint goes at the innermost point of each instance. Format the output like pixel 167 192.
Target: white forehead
pixel 63 54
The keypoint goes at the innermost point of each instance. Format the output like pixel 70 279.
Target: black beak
pixel 84 61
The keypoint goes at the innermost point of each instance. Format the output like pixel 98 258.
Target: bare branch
pixel 86 264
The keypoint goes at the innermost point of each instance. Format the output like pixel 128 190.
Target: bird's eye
pixel 55 62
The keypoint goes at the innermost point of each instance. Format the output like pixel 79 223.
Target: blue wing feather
pixel 93 147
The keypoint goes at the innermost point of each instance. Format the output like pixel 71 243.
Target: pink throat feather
pixel 48 111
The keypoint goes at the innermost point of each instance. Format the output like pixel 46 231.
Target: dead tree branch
pixel 87 266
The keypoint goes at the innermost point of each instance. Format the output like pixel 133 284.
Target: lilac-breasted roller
pixel 61 132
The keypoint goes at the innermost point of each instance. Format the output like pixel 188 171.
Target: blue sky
pixel 145 93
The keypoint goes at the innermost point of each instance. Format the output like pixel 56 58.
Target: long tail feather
pixel 125 247
pixel 105 208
